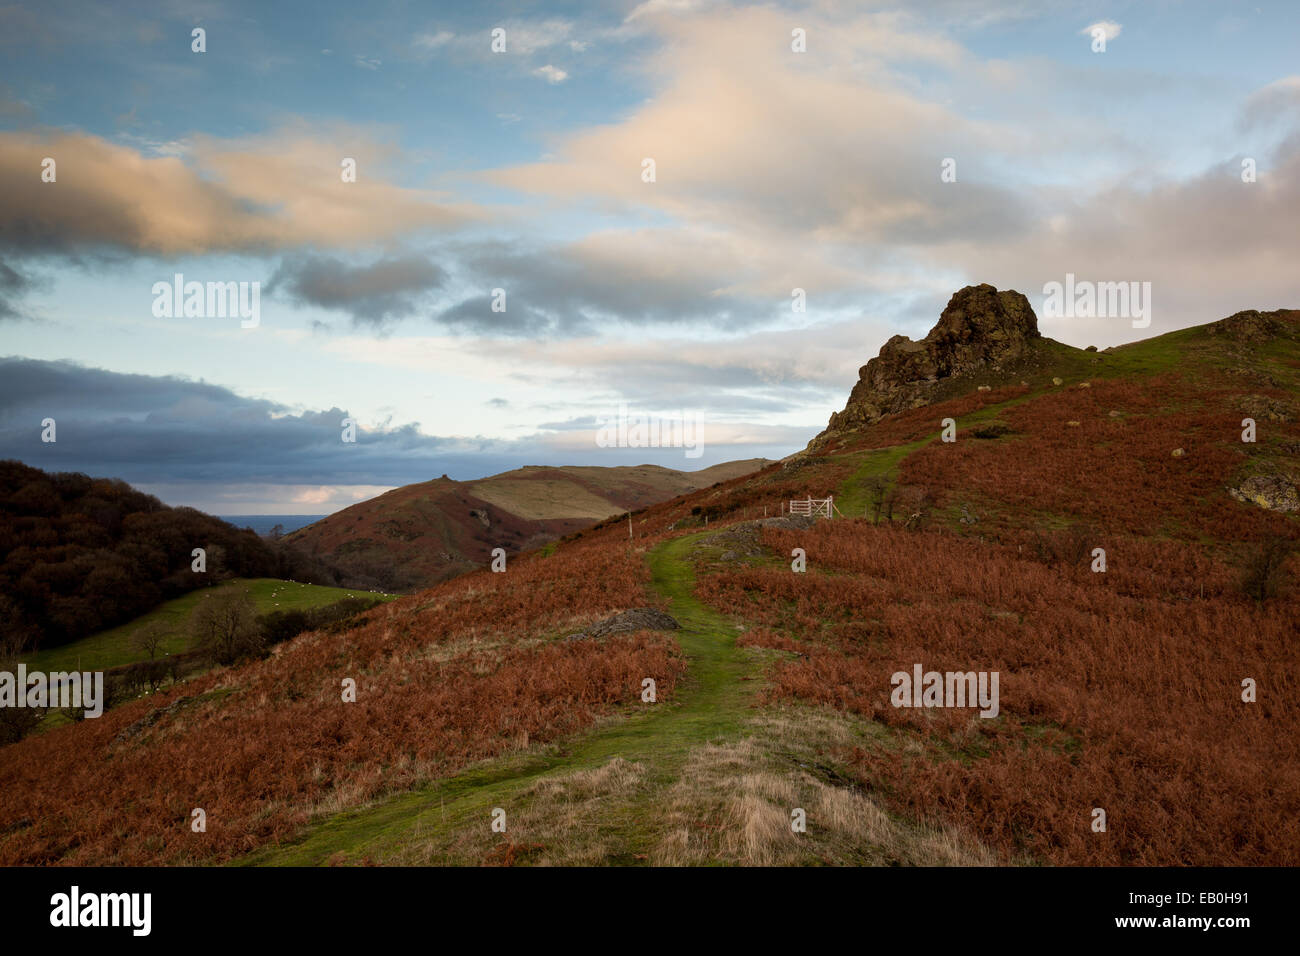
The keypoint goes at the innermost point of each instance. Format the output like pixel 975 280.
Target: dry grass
pixel 733 804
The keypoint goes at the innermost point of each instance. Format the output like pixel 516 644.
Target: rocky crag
pixel 980 331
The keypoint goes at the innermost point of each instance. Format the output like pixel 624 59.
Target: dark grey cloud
pixel 571 290
pixel 388 289
pixel 13 286
pixel 198 442
pixel 165 429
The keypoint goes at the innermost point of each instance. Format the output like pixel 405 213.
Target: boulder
pixel 1270 492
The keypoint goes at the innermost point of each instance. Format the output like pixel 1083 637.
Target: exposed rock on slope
pixel 637 619
pixel 1251 326
pixel 981 329
pixel 1270 492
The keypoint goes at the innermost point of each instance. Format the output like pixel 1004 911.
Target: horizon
pixel 462 251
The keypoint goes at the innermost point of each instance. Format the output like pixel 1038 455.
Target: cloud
pixel 254 195
pixel 656 8
pixel 432 41
pixel 1109 29
pixel 748 136
pixel 604 280
pixel 1210 244
pixel 366 62
pixel 525 37
pixel 13 285
pixel 201 444
pixel 551 74
pixel 167 429
pixel 12 107
pixel 1278 100
pixel 387 289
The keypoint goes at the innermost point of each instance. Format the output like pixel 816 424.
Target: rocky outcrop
pixel 637 619
pixel 1270 492
pixel 981 329
pixel 1249 326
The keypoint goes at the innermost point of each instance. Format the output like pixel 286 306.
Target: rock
pixel 1073 424
pixel 148 720
pixel 482 515
pixel 1248 326
pixel 1179 453
pixel 1085 384
pixel 981 328
pixel 966 516
pixel 1056 381
pixel 1114 414
pixel 984 388
pixel 636 619
pixel 1261 407
pixel 1270 492
pixel 1091 348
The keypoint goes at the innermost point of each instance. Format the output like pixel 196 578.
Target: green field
pixel 112 648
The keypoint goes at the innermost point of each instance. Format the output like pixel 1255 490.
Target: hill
pixel 1155 682
pixel 81 554
pixel 423 533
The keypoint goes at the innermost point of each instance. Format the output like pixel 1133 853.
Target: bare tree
pixel 224 627
pixel 148 640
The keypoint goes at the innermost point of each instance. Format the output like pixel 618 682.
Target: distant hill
pixel 265 524
pixel 420 534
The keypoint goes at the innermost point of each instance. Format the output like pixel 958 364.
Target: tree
pixel 15 722
pixel 224 627
pixel 148 640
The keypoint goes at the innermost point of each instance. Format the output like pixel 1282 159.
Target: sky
pixel 503 273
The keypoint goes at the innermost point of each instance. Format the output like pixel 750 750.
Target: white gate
pixel 814 507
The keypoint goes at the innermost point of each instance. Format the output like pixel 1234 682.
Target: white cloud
pixel 552 74
pixel 1271 102
pixel 432 41
pixel 1110 29
pixel 528 38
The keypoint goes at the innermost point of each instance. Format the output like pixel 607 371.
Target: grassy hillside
pixel 112 648
pixel 1120 690
pixel 419 534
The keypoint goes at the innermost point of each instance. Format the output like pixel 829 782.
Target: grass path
pixel 447 820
